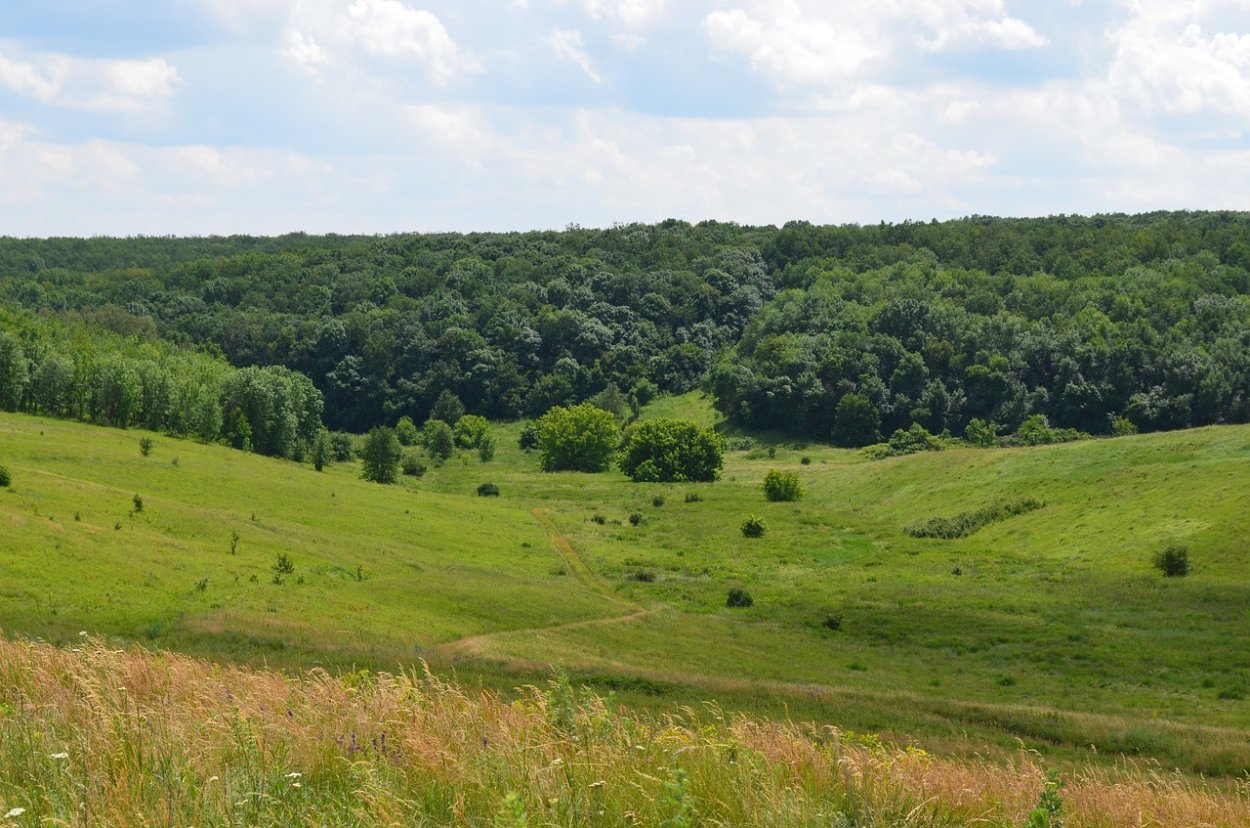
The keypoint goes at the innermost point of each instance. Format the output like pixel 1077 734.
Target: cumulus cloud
pixel 82 83
pixel 322 33
pixel 804 41
pixel 1167 60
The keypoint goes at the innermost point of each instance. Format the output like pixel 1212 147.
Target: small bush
pixel 805 460
pixel 833 621
pixel 201 585
pixel 753 527
pixel 412 466
pixel 486 448
pixel 738 598
pixel 657 501
pixel 145 446
pixel 635 519
pixel 599 519
pixel 742 444
pixel 6 479
pixel 529 436
pixel 693 497
pixel 488 490
pixel 1173 561
pixel 782 486
pixel 642 576
pixel 138 501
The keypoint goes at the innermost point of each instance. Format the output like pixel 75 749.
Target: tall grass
pixel 92 735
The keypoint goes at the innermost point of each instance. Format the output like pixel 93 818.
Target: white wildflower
pixel 294 775
pixel 58 756
pixel 14 813
pixel 598 784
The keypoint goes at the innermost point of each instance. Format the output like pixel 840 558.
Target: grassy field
pixel 98 736
pixel 1051 627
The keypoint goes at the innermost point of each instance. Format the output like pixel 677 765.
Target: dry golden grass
pixel 98 736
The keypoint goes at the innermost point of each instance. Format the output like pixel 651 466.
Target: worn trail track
pixel 477 644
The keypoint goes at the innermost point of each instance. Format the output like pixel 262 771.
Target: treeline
pixel 847 333
pixel 78 372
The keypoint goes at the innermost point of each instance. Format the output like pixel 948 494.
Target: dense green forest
pixel 841 332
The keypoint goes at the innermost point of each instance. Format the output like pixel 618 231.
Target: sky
pixel 199 117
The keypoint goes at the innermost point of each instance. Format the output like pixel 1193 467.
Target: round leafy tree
pixel 577 438
pixel 469 430
pixel 671 451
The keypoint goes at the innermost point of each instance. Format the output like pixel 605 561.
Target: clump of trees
pixel 671 451
pixel 577 438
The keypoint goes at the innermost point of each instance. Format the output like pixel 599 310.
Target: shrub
pixel 282 567
pixel 782 487
pixel 1173 561
pixel 341 446
pixel 412 466
pixel 1122 427
pixel 380 455
pixel 321 449
pixel 6 479
pixel 833 621
pixel 529 436
pixel 665 450
pixel 643 576
pixel 145 446
pixel 657 501
pixel 635 519
pixel 753 527
pixel 138 501
pixel 577 438
pixel 469 431
pixel 488 490
pixel 438 439
pixel 805 460
pixel 486 448
pixel 447 407
pixel 742 444
pixel 739 597
pixel 693 497
pixel 407 432
pixel 599 519
pixel 980 433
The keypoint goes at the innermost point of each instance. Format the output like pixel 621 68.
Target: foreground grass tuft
pixel 94 735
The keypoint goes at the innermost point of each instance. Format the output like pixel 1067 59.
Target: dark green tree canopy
pixel 671 451
pixel 577 438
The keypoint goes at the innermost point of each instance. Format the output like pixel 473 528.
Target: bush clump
pixel 665 450
pixel 782 487
pixel 412 466
pixel 965 523
pixel 693 497
pixel 657 501
pixel 1173 561
pixel 488 490
pixel 753 527
pixel 6 479
pixel 635 519
pixel 739 598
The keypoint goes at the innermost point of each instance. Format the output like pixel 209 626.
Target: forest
pixel 843 333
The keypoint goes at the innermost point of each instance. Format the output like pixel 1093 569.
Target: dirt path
pixel 476 644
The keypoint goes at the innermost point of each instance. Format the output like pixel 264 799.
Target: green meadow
pixel 1050 628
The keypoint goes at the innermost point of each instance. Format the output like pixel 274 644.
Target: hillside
pixel 1051 627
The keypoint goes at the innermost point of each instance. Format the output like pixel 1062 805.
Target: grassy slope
pixel 1057 631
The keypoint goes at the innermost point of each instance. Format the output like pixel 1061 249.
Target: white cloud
pixel 792 46
pixel 325 33
pixel 1166 61
pixel 804 41
pixel 630 12
pixel 83 83
pixel 568 45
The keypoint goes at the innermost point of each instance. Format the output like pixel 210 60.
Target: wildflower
pixel 296 785
pixel 598 784
pixel 83 633
pixel 294 775
pixel 14 813
pixel 212 779
pixel 58 756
